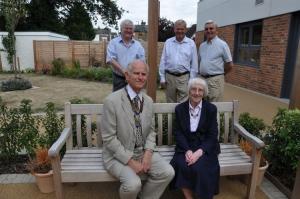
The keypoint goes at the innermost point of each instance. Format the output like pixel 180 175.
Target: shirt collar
pixel 199 106
pixel 183 41
pixel 132 93
pixel 120 40
pixel 213 40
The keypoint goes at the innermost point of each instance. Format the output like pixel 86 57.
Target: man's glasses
pixel 211 28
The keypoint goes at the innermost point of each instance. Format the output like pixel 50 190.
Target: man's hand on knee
pixel 147 160
pixel 136 166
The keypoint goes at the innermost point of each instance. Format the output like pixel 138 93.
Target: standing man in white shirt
pixel 121 51
pixel 178 64
pixel 215 62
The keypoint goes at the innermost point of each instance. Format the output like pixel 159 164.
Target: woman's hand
pixel 188 156
pixel 195 156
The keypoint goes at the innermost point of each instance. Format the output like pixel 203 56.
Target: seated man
pixel 129 138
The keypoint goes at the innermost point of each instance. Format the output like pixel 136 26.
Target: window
pixel 248 43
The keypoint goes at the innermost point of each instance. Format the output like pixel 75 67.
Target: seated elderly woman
pixel 195 161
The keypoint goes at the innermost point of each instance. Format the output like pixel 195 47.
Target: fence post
pixel 104 51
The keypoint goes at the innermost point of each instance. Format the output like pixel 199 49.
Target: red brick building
pixel 263 41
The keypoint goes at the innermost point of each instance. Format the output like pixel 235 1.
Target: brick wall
pixel 267 78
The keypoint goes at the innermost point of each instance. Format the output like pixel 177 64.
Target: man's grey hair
pixel 130 65
pixel 211 22
pixel 198 81
pixel 126 22
pixel 180 22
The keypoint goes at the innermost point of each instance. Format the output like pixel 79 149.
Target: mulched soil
pixel 19 165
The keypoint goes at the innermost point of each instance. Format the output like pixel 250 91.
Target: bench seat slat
pixel 86 165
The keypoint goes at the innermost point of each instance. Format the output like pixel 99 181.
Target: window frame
pixel 249 46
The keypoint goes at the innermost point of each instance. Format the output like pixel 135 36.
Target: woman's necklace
pixel 195 115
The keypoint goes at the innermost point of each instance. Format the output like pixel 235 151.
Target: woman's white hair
pixel 198 81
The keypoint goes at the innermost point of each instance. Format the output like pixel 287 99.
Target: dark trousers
pixel 118 82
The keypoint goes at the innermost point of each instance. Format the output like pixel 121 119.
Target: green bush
pixel 76 64
pixel 16 83
pixel 58 66
pixel 283 145
pixel 53 126
pixel 18 130
pixel 98 74
pixel 253 125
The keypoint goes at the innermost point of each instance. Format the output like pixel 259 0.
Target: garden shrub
pixel 76 64
pixel 283 145
pixel 58 66
pixel 253 125
pixel 18 130
pixel 53 126
pixel 16 83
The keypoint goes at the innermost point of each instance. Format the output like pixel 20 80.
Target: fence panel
pixel 88 53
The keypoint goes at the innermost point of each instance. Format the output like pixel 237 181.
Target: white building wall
pixel 228 12
pixel 24 47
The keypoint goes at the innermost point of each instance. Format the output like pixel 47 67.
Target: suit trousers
pixel 157 179
pixel 176 88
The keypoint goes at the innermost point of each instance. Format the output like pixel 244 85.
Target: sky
pixel 170 9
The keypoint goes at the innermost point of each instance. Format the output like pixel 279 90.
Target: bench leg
pixel 57 177
pixel 251 188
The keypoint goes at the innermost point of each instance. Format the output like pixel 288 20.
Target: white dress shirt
pixel 195 114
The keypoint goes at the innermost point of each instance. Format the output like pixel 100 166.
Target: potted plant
pixel 246 146
pixel 40 167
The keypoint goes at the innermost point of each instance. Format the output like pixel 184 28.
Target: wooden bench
pixel 83 162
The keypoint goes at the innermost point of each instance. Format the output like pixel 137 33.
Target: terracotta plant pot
pixel 261 173
pixel 45 181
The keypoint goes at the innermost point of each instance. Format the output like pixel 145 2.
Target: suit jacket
pixel 207 130
pixel 118 128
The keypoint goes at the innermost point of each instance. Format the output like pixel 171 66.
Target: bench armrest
pixel 59 143
pixel 259 144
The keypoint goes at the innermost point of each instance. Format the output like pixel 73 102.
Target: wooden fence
pixel 88 53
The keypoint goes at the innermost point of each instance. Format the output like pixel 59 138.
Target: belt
pixel 177 74
pixel 209 76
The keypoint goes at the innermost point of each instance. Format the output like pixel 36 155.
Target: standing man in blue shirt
pixel 121 51
pixel 215 62
pixel 178 63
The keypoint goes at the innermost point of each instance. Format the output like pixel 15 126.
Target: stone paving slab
pixel 267 187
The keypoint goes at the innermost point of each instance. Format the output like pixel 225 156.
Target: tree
pixel 42 15
pixel 12 11
pixel 108 9
pixel 78 24
pixel 165 29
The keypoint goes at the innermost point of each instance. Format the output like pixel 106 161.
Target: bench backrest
pixel 85 122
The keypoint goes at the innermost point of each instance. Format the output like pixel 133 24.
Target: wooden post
pixel 35 56
pixel 295 103
pixel 153 16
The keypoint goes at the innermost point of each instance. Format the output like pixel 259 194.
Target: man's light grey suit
pixel 118 135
